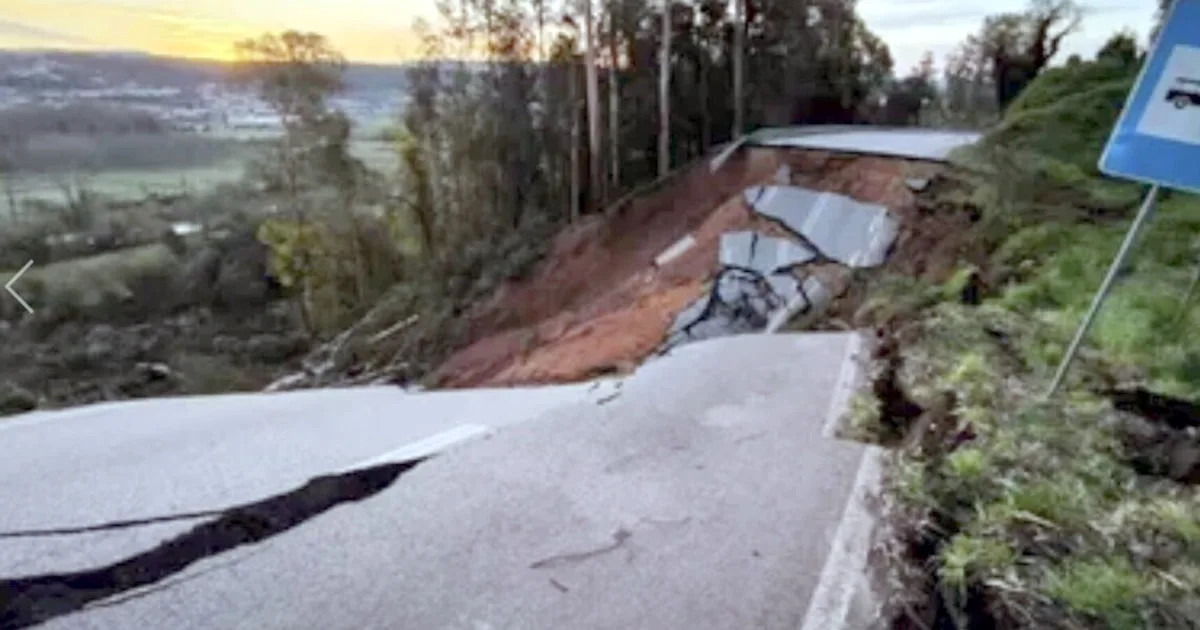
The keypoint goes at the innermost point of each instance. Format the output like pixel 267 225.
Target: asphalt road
pixel 700 493
pixel 149 459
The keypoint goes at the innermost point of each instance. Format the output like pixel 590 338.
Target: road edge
pixel 844 597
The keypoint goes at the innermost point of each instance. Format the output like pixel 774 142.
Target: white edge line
pixel 829 606
pixel 722 157
pixel 677 249
pixel 431 445
pixel 847 562
pixel 844 387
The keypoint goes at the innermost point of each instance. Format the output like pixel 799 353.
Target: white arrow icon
pixel 8 287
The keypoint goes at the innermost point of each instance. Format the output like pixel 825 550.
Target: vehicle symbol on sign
pixel 1185 93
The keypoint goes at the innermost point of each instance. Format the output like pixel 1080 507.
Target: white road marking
pixel 845 570
pixel 676 250
pixel 723 157
pixel 431 445
pixel 844 388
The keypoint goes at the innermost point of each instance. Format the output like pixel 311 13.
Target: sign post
pixel 1156 140
pixel 1143 215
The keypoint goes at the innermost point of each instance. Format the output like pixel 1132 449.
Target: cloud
pixel 30 34
pixel 924 13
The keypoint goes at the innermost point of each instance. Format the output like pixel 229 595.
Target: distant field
pixel 211 168
pixel 123 166
pixel 130 185
pixel 377 154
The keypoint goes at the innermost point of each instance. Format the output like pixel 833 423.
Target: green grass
pixel 1042 510
pixel 1146 321
pixel 1103 588
pixel 1042 500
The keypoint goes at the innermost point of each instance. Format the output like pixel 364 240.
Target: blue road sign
pixel 1157 139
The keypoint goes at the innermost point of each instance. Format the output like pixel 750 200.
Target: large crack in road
pixel 32 600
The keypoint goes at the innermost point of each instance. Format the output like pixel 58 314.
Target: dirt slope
pixel 598 304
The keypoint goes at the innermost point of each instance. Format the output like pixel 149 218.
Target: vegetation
pixel 1014 511
pixel 1009 510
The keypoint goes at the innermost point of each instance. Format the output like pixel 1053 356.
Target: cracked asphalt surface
pixel 28 601
pixel 704 495
pixel 96 465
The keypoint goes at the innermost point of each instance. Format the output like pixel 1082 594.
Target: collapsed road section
pixel 763 281
pixel 767 233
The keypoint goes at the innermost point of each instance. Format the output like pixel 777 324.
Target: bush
pixel 129 281
pixel 337 266
pixel 1072 129
pixel 208 374
pixel 1056 84
pixel 15 400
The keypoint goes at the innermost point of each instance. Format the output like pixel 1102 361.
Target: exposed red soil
pixel 598 304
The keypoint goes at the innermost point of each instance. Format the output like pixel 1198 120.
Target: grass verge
pixel 1008 510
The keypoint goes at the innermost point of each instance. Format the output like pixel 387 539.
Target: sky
pixel 379 30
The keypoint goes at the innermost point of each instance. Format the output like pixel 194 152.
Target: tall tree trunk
pixel 540 9
pixel 664 94
pixel 595 151
pixel 11 196
pixel 614 101
pixel 546 160
pixel 705 111
pixel 575 148
pixel 739 68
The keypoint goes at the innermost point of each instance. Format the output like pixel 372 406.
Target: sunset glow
pixel 380 30
pixel 205 29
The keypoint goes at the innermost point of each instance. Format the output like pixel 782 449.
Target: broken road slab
pixel 741 301
pixel 706 496
pixel 850 232
pixel 764 254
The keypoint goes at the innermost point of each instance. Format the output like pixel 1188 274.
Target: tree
pixel 576 140
pixel 1017 46
pixel 595 154
pixel 6 177
pixel 1121 48
pixel 666 71
pixel 1160 16
pixel 566 55
pixel 664 92
pixel 969 97
pixel 614 97
pixel 419 137
pixel 296 74
pixel 739 67
pixel 907 97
